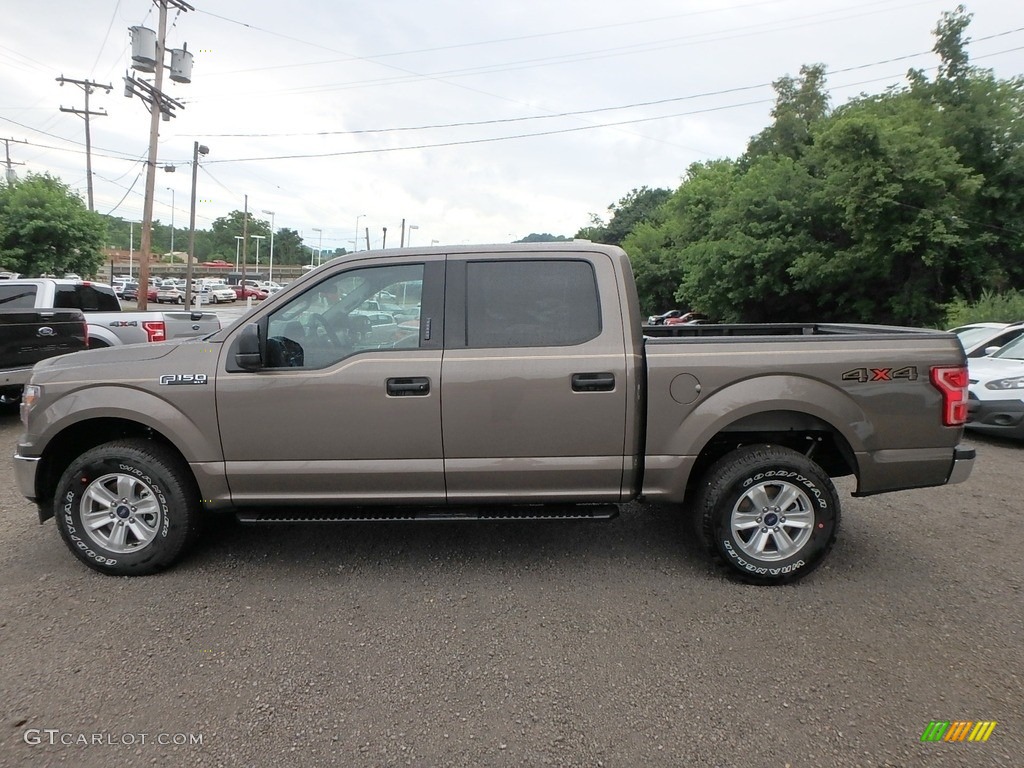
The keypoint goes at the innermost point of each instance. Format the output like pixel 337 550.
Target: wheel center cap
pixel 123 512
pixel 771 519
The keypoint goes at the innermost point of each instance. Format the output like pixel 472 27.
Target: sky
pixel 472 122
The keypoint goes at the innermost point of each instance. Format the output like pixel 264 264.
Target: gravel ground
pixel 518 644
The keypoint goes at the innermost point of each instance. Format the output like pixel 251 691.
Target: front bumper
pixel 25 474
pixel 997 417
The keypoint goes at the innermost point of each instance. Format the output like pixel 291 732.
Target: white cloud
pixel 315 67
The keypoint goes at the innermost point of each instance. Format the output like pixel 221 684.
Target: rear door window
pixel 535 303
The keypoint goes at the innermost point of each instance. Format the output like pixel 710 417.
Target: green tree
pixel 45 228
pixel 638 206
pixel 800 103
pixel 543 237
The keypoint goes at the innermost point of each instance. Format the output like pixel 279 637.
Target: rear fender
pixel 668 466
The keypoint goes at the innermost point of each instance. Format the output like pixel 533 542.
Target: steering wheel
pixel 319 330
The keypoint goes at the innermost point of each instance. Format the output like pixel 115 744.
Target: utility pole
pixel 160 105
pixel 245 241
pixel 11 176
pixel 87 86
pixel 197 150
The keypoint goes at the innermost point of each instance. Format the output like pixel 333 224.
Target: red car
pixel 244 292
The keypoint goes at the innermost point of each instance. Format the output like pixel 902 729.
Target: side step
pixel 402 514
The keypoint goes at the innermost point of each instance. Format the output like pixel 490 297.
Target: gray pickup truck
pixel 109 325
pixel 508 382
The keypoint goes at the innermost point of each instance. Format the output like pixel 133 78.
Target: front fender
pixel 194 435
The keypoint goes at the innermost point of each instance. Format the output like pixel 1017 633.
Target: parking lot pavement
pixel 517 644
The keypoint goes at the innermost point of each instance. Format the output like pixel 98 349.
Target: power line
pixel 596 110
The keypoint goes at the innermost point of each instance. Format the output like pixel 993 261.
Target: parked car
pixel 995 393
pixel 660 319
pixel 170 295
pixel 980 339
pixel 129 291
pixel 218 293
pixel 689 318
pixel 245 291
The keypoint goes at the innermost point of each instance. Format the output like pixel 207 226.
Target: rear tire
pixel 127 508
pixel 770 514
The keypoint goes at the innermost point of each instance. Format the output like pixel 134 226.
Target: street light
pixel 411 228
pixel 360 216
pixel 238 243
pixel 197 150
pixel 257 238
pixel 320 246
pixel 271 278
pixel 172 222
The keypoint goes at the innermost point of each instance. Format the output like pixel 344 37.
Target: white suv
pixel 996 391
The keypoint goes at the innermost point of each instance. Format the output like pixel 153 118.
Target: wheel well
pixel 801 432
pixel 77 439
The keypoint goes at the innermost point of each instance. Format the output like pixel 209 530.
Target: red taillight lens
pixel 952 383
pixel 155 330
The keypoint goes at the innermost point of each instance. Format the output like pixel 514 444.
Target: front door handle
pixel 593 382
pixel 411 386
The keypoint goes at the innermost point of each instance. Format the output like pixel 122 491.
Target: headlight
pixel 30 394
pixel 1015 383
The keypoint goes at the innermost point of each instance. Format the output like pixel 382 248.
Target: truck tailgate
pixel 28 336
pixel 186 324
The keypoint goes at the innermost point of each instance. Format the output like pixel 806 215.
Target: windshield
pixel 1012 351
pixel 971 336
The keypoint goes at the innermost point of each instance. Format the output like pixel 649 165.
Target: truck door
pixel 534 392
pixel 347 405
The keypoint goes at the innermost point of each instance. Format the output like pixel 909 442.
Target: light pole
pixel 360 216
pixel 271 277
pixel 197 150
pixel 131 247
pixel 238 243
pixel 172 222
pixel 257 238
pixel 411 228
pixel 320 245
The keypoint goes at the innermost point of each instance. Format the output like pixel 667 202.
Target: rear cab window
pixel 87 298
pixel 17 296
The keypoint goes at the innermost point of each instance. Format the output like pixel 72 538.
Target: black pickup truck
pixel 30 335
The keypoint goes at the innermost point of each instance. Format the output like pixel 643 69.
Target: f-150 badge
pixel 183 378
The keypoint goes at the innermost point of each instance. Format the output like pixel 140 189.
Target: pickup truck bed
pixel 109 326
pixel 516 382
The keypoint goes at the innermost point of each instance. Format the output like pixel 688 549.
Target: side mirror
pixel 247 355
pixel 990 350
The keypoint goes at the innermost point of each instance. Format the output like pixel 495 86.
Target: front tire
pixel 127 508
pixel 770 514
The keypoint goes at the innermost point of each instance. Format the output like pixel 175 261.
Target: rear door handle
pixel 593 382
pixel 412 386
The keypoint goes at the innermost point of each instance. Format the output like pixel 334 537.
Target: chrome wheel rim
pixel 120 513
pixel 772 521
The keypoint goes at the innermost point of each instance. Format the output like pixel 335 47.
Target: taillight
pixel 155 330
pixel 952 383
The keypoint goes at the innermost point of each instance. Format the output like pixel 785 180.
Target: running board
pixel 402 514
